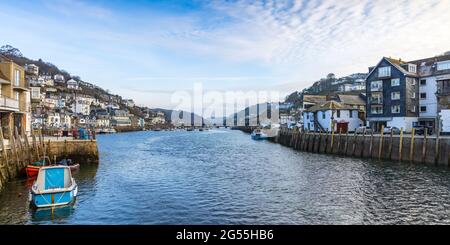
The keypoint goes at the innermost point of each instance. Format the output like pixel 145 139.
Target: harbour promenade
pixel 17 151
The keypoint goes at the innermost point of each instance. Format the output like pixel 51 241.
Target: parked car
pixel 362 129
pixel 420 130
pixel 395 130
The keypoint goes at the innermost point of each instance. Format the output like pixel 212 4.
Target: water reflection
pixel 54 215
pixel 224 177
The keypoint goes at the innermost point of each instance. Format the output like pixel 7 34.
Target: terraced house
pixel 14 98
pixel 392 94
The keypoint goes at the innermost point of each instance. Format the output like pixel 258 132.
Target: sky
pixel 149 50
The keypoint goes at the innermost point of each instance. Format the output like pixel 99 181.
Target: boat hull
pixel 259 137
pixel 53 199
pixel 32 171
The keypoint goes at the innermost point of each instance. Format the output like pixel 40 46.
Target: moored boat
pixel 32 169
pixel 68 162
pixel 258 134
pixel 54 186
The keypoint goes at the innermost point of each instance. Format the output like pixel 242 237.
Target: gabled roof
pixel 395 63
pixel 351 99
pixel 329 105
pixel 314 98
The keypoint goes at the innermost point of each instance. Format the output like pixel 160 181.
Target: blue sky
pixel 147 49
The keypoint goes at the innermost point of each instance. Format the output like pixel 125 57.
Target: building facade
pixel 392 95
pixel 15 109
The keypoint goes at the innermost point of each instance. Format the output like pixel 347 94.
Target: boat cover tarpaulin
pixel 54 178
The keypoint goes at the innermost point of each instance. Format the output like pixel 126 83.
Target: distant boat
pixel 54 186
pixel 189 129
pixel 68 162
pixel 258 134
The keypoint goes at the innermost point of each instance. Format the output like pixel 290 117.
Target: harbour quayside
pixel 189 114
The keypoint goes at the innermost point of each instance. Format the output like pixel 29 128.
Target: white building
pixel 81 106
pixel 72 84
pixel 53 120
pixel 32 69
pixel 331 116
pixel 58 78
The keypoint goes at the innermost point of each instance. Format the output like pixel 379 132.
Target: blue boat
pixel 53 187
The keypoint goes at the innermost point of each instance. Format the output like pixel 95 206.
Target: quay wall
pixel 17 152
pixel 408 148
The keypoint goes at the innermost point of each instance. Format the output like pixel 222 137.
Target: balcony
pixel 9 104
pixel 377 101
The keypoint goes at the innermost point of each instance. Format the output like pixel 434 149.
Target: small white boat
pixel 258 134
pixel 54 186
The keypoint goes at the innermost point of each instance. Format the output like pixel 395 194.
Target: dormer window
pixel 444 65
pixel 384 71
pixel 412 68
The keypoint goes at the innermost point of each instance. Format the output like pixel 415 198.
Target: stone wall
pixel 16 155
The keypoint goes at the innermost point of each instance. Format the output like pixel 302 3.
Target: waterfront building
pixel 332 116
pixel 15 103
pixel 392 94
pixel 120 118
pixel 434 92
pixel 103 121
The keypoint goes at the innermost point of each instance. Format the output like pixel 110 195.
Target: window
pixel 16 95
pixel 376 85
pixel 351 114
pixel 323 115
pixel 395 82
pixel 423 96
pixel 395 109
pixel 16 78
pixel 445 65
pixel 413 95
pixel 338 113
pixel 376 98
pixel 413 108
pixel 423 109
pixel 378 109
pixel 384 71
pixel 412 68
pixel 410 80
pixel 395 95
pixel 307 116
pixel 423 82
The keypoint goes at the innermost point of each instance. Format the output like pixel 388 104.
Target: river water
pixel 224 177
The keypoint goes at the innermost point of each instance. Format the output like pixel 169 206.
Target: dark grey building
pixel 392 94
